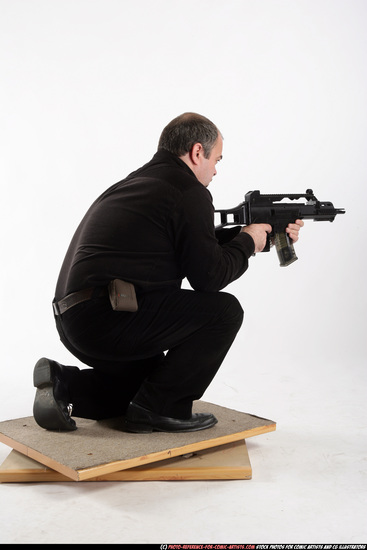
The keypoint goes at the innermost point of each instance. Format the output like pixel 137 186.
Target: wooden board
pixel 100 448
pixel 229 461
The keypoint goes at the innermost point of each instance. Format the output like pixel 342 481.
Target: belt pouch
pixel 122 296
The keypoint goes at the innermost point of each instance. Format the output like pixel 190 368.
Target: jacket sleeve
pixel 207 264
pixel 224 234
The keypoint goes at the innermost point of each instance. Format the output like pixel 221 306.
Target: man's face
pixel 206 169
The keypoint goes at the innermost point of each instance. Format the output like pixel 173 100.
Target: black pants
pixel 163 357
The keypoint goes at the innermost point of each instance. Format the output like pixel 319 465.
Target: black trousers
pixel 163 356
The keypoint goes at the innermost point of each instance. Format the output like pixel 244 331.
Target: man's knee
pixel 231 308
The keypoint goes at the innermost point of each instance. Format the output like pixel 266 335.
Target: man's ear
pixel 196 153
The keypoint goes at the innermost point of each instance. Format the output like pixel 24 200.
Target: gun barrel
pixel 322 211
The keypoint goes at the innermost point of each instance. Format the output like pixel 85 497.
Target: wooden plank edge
pixel 103 469
pixel 190 474
pixel 164 472
pixel 39 457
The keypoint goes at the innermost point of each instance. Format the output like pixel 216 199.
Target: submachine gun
pixel 258 208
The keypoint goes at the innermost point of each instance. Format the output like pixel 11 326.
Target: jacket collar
pixel 166 157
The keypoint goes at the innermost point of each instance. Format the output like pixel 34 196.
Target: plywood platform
pixel 229 461
pixel 100 448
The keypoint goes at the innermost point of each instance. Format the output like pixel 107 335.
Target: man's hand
pixel 259 233
pixel 293 230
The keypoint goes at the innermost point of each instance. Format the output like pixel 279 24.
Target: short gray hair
pixel 181 134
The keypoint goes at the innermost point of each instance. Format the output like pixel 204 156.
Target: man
pixel 158 350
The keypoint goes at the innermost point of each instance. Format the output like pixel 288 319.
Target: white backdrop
pixel 86 88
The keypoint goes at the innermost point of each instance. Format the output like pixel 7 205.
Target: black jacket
pixel 154 228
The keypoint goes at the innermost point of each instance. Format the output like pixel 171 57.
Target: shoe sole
pixel 46 411
pixel 147 429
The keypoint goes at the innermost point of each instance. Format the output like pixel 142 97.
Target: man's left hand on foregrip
pixel 293 229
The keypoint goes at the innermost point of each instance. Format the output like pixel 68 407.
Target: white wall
pixel 86 88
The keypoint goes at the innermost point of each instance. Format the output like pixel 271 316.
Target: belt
pixel 77 297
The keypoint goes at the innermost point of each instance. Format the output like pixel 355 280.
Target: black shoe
pixel 51 409
pixel 143 421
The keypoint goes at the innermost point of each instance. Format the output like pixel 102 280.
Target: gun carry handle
pixel 285 248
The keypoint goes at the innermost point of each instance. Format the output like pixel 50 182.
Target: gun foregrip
pixel 285 249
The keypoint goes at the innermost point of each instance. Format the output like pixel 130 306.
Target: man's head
pixel 195 140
